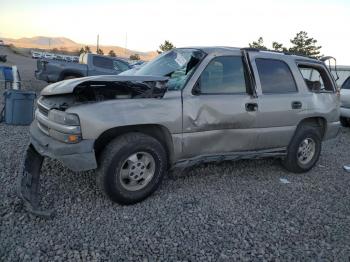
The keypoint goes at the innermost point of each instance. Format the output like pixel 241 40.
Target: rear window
pixel 275 76
pixel 346 84
pixel 103 62
pixel 119 65
pixel 316 78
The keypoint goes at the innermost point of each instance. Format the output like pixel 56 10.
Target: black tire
pixel 292 162
pixel 345 122
pixel 69 77
pixel 113 158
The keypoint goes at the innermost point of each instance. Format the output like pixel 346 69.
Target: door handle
pixel 251 107
pixel 296 105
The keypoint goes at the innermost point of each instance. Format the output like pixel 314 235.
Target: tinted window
pixel 346 84
pixel 275 76
pixel 121 66
pixel 316 78
pixel 103 62
pixel 223 75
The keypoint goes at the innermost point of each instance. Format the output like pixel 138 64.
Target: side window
pixel 121 66
pixel 275 76
pixel 316 78
pixel 102 62
pixel 346 84
pixel 223 75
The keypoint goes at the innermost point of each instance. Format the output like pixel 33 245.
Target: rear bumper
pixel 77 157
pixel 332 130
pixel 345 112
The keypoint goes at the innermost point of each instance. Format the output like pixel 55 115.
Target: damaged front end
pixel 57 134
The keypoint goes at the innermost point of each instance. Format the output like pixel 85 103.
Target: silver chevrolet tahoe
pixel 187 106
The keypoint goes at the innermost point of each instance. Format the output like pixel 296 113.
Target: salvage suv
pixel 187 106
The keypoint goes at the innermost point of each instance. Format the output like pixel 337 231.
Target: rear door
pixel 218 113
pixel 280 101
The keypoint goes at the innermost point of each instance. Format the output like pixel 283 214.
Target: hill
pixel 66 44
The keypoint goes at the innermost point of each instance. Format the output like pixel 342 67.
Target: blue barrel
pixel 19 107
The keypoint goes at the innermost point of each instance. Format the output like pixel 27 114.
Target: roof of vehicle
pixel 218 49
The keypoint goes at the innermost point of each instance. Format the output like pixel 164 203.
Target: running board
pixel 279 152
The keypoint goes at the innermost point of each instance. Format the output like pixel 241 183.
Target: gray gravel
pixel 234 210
pixel 225 212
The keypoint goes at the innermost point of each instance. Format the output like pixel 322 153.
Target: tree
pixel 55 50
pixel 112 53
pixel 165 47
pixel 279 47
pixel 258 44
pixel 99 51
pixel 85 49
pixel 305 45
pixel 135 57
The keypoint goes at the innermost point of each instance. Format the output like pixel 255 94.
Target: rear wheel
pixel 345 121
pixel 304 149
pixel 132 167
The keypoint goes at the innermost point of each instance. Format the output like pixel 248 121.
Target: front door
pixel 219 115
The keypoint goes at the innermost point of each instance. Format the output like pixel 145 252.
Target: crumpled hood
pixel 67 86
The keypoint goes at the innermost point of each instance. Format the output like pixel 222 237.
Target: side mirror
pixel 197 88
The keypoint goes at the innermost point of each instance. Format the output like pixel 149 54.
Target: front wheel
pixel 132 167
pixel 304 150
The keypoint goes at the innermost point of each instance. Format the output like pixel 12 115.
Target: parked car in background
pixel 89 65
pixel 345 103
pixel 187 106
pixel 49 56
pixel 37 55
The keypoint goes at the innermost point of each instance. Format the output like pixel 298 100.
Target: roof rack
pixel 252 49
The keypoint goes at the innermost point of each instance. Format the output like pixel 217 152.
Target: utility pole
pixel 98 40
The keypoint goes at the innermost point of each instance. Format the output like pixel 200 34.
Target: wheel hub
pixel 306 151
pixel 137 171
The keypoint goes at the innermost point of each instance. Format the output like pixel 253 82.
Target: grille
pixel 43 110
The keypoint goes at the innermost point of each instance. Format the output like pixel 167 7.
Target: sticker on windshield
pixel 180 59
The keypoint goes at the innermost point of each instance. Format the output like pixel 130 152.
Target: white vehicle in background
pixel 68 59
pixel 345 103
pixel 2 42
pixel 76 59
pixel 36 55
pixel 49 56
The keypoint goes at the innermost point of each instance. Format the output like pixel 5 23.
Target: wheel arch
pixel 66 73
pixel 159 132
pixel 315 121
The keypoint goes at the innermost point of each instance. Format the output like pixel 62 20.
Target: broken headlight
pixel 64 118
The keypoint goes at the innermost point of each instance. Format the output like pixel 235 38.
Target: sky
pixel 143 25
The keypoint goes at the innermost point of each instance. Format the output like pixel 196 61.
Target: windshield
pixel 177 64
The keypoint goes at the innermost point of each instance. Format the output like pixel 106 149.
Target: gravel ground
pixel 224 212
pixel 234 210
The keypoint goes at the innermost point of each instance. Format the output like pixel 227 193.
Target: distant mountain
pixel 66 44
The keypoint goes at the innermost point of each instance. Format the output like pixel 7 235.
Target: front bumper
pixel 77 157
